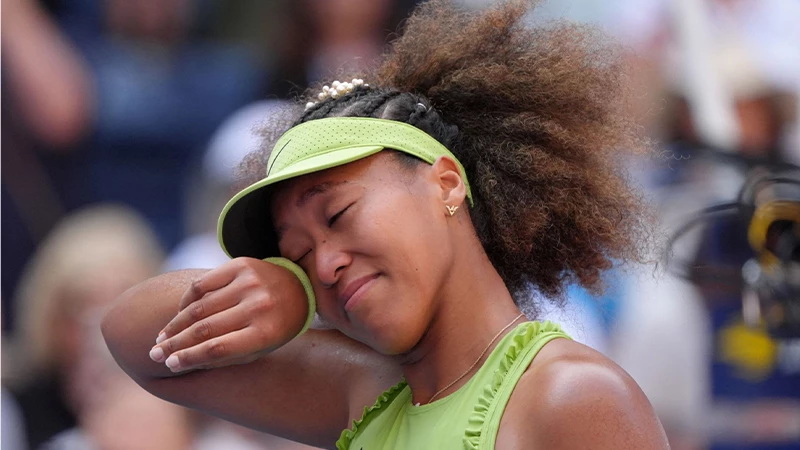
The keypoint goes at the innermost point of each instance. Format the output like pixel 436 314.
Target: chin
pixel 389 325
pixel 390 349
pixel 394 339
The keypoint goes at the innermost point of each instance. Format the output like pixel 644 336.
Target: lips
pixel 354 289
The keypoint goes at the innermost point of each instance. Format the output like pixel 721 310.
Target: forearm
pixel 49 78
pixel 307 390
pixel 255 394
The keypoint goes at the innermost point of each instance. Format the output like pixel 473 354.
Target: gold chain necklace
pixel 476 361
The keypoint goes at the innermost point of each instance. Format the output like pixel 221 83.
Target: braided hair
pixel 537 117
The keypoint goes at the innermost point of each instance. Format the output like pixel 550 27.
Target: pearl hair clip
pixel 337 89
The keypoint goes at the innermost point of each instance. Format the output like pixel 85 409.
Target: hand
pixel 233 314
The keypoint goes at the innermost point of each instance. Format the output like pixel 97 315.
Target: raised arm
pixel 48 77
pixel 307 389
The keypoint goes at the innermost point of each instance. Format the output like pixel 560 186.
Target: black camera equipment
pixel 769 202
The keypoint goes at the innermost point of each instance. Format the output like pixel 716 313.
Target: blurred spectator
pixel 323 39
pixel 109 101
pixel 57 109
pixel 763 108
pixel 714 382
pixel 350 34
pixel 12 428
pixel 764 30
pixel 113 412
pixel 662 337
pixel 89 259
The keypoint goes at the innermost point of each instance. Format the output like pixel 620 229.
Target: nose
pixel 331 261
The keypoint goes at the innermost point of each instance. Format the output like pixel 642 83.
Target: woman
pixel 477 165
pixel 91 256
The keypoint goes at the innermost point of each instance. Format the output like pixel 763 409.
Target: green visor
pixel 245 226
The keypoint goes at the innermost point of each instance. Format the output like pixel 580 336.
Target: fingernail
pixel 161 337
pixel 172 362
pixel 156 354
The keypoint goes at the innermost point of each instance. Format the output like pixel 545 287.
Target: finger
pixel 211 281
pixel 215 352
pixel 211 327
pixel 211 304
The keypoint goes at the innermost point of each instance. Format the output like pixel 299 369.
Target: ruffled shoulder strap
pixel 522 345
pixel 370 412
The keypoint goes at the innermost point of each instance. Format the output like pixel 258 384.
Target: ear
pixel 448 177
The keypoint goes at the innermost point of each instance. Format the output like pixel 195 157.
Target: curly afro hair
pixel 538 117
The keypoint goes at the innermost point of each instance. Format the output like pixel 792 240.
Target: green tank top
pixel 469 418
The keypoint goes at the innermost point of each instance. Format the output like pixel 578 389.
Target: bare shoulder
pixel 574 397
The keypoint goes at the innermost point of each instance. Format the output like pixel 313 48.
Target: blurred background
pixel 123 121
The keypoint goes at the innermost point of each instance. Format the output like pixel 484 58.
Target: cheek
pixel 410 243
pixel 405 232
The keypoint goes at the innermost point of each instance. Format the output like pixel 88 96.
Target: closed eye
pixel 336 216
pixel 331 221
pixel 297 261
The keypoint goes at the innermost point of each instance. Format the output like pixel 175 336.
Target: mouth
pixel 355 290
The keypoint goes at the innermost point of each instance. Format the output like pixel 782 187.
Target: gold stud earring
pixel 452 209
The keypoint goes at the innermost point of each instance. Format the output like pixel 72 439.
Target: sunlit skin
pixel 431 296
pixel 433 302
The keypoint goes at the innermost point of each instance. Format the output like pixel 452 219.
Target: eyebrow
pixel 306 196
pixel 315 190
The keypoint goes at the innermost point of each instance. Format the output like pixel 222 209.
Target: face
pixel 373 237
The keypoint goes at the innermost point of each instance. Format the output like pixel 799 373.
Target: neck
pixel 471 312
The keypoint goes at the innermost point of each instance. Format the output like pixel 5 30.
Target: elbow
pixel 122 331
pixel 112 326
pixel 111 330
pixel 107 328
